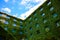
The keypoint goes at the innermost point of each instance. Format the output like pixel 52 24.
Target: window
pixel 13 30
pixel 14 24
pixel 14 19
pixel 55 15
pixel 7 17
pixel 6 28
pixel 44 21
pixel 37 25
pixel 47 29
pixel 6 22
pixel 43 14
pixel 21 22
pixel 30 18
pixel 58 23
pixel 20 33
pixel 41 9
pixel 0 14
pixel 35 14
pixel 30 22
pixel 48 3
pixel 26 38
pixel 30 28
pixel 35 18
pixel 3 15
pixel 2 20
pixel 21 26
pixel 51 9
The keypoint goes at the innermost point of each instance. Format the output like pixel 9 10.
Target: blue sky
pixel 20 8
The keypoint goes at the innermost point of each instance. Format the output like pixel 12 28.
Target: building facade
pixel 43 24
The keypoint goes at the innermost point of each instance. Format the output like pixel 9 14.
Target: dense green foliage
pixel 43 24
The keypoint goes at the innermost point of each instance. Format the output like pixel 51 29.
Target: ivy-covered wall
pixel 43 24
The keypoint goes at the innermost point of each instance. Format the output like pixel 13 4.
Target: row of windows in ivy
pixel 6 21
pixel 15 25
pixel 2 15
pixel 8 17
pixel 48 3
pixel 13 30
pixel 51 8
pixel 54 15
pixel 38 32
pixel 44 14
pixel 47 29
pixel 37 25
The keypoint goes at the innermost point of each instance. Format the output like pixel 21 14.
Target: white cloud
pixel 24 2
pixel 6 0
pixel 28 6
pixel 15 15
pixel 27 3
pixel 28 13
pixel 6 10
pixel 37 0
